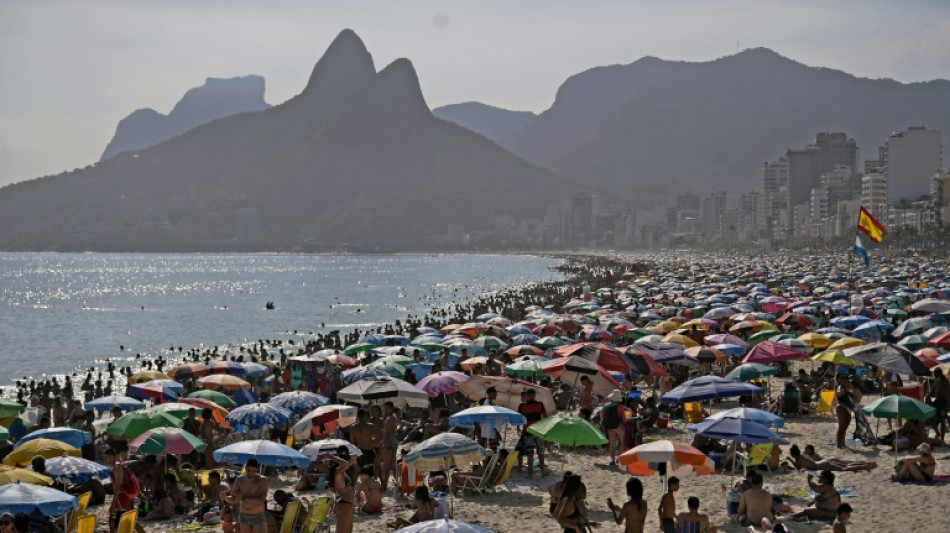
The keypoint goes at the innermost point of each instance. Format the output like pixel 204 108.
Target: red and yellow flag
pixel 869 225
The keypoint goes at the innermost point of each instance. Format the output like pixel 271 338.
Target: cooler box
pixel 916 392
pixel 663 421
pixel 733 497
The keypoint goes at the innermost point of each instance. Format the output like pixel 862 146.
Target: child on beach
pixel 667 508
pixel 634 511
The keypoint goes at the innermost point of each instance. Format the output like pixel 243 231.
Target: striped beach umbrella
pixel 167 440
pixel 259 415
pixel 299 402
pixel 439 450
pixel 75 470
pixel 266 452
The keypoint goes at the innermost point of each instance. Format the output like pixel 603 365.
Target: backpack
pixel 130 483
pixel 610 416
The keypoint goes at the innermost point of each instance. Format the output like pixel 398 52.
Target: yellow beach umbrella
pixel 45 447
pixel 147 375
pixel 836 357
pixel 815 340
pixel 682 340
pixel 696 322
pixel 11 474
pixel 767 325
pixel 846 342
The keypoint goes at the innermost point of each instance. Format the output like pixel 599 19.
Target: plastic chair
pixel 83 500
pixel 825 401
pixel 694 412
pixel 480 484
pixel 127 522
pixel 87 524
pixel 290 517
pixel 760 453
pixel 317 516
pixel 505 473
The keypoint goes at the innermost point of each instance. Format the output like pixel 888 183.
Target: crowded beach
pixel 670 393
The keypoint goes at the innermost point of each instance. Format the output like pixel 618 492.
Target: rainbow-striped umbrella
pixel 166 440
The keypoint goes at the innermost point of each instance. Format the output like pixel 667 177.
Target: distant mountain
pixel 492 122
pixel 217 98
pixel 712 125
pixel 354 161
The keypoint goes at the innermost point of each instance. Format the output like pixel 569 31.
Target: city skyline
pixel 70 78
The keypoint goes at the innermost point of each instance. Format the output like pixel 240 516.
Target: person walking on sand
pixel 614 416
pixel 667 508
pixel 250 493
pixel 634 511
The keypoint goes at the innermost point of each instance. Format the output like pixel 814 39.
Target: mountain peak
pixel 346 61
pixel 400 79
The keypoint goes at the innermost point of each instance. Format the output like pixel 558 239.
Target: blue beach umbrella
pixel 106 403
pixel 707 388
pixel 299 402
pixel 737 429
pixel 764 418
pixel 493 415
pixel 266 452
pixel 362 372
pixel 75 470
pixel 258 415
pixel 732 350
pixel 70 436
pixel 254 370
pixel 24 498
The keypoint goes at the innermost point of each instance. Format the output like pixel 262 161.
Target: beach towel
pixel 849 442
pixel 845 492
pixel 937 481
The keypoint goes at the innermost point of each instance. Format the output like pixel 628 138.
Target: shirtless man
pixel 250 491
pixel 694 516
pixel 366 437
pixel 208 433
pixel 390 445
pixel 755 507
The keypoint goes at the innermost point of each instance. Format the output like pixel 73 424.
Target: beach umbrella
pixel 724 338
pixel 682 340
pixel 147 375
pixel 12 474
pixel 720 313
pixel 445 382
pixel 707 354
pixel 523 350
pixel 899 406
pixel 167 440
pixel 266 452
pixel 106 403
pixel 525 367
pixel 709 387
pixel 570 370
pixel 769 352
pixel 736 429
pixel 603 354
pixel 549 342
pixel 509 391
pixel 663 352
pixel 10 409
pixel 492 415
pixel 889 357
pixel 795 321
pixel 359 348
pixel 76 470
pixel 299 402
pixel 912 326
pixel 319 448
pixel 390 368
pixel 154 390
pixel 931 305
pixel 223 381
pixel 761 336
pixel 732 350
pixel 227 367
pixel 940 341
pixel 751 371
pixel 45 447
pixel 836 357
pixel 663 451
pixel 443 449
pixel 4 433
pixel 489 342
pixel 22 498
pixel 378 391
pixel 896 313
pixel 760 416
pixel 567 430
pixel 217 397
pixel 73 437
pixel 259 415
pixel 796 344
pixel 873 329
pixel 133 424
pixel 363 372
pixel 443 525
pixel 323 420
pixel 642 364
pixel 815 340
pixel 255 370
pixel 188 370
pixel 913 342
pixel 218 413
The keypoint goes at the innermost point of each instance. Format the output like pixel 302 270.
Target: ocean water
pixel 60 313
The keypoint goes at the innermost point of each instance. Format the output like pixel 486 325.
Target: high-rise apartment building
pixel 911 158
pixel 582 218
pixel 807 164
pixel 874 194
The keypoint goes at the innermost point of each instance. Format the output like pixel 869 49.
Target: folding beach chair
pixel 481 484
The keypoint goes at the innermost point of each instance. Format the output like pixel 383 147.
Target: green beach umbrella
pixel 354 349
pixel 525 367
pixel 568 430
pixel 10 409
pixel 898 405
pixel 894 312
pixel 913 342
pixel 750 371
pixel 133 424
pixel 432 347
pixel 549 342
pixel 4 434
pixel 836 357
pixel 759 336
pixel 167 440
pixel 395 359
pixel 392 368
pixel 638 333
pixel 217 397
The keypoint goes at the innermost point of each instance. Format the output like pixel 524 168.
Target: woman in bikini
pixel 423 507
pixel 920 468
pixel 369 492
pixel 346 496
pixel 805 461
pixel 827 499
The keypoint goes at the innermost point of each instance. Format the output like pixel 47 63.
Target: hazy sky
pixel 70 70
